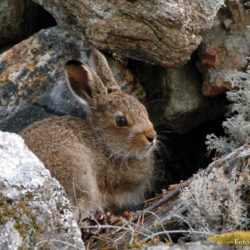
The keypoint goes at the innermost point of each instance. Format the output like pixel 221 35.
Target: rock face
pixel 33 84
pixel 19 19
pixel 174 97
pixel 186 107
pixel 11 20
pixel 34 211
pixel 200 245
pixel 156 32
pixel 225 48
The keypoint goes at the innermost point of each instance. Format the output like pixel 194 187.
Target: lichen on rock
pixel 217 199
pixel 34 209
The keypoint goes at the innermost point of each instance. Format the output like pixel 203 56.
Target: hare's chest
pixel 124 177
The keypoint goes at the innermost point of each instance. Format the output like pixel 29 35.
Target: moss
pixel 37 208
pixel 247 197
pixel 17 187
pixel 238 238
pixel 140 244
pixel 24 220
pixel 30 195
pixel 23 247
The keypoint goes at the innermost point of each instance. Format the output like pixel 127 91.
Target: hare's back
pixel 63 144
pixel 48 136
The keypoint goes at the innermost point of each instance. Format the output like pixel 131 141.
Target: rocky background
pixel 177 57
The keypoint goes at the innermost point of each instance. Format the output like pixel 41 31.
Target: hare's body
pixel 105 161
pixel 70 150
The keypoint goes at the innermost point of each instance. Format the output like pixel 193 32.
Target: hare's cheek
pixel 139 142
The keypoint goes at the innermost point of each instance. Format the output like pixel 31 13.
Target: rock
pixel 33 84
pixel 11 20
pixel 21 18
pixel 156 32
pixel 185 107
pixel 225 48
pixel 34 210
pixel 199 245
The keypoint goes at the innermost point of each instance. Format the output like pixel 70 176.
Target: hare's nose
pixel 150 135
pixel 150 138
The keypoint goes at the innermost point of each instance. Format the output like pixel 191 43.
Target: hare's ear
pixel 83 82
pixel 100 65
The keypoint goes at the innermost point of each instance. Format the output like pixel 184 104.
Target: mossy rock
pixel 237 238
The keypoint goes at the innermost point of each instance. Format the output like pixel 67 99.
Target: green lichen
pixel 23 247
pixel 17 187
pixel 30 195
pixel 136 243
pixel 238 238
pixel 24 220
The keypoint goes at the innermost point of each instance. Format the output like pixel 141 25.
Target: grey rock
pixel 21 117
pixel 225 48
pixel 20 19
pixel 199 245
pixel 185 106
pixel 33 84
pixel 157 32
pixel 34 210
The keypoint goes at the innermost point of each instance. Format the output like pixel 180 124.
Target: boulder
pixel 199 245
pixel 225 48
pixel 175 98
pixel 156 32
pixel 21 18
pixel 33 84
pixel 34 210
pixel 11 20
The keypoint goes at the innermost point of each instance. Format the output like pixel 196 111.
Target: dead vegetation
pixel 214 200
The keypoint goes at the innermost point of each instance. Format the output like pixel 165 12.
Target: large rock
pixel 199 245
pixel 225 48
pixel 175 99
pixel 34 210
pixel 12 20
pixel 21 18
pixel 186 107
pixel 33 84
pixel 157 32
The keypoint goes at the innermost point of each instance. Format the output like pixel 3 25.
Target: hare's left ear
pixel 83 82
pixel 100 65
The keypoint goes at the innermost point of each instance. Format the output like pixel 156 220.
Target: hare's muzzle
pixel 144 140
pixel 150 135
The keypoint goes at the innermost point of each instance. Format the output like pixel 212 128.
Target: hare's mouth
pixel 144 152
pixel 130 153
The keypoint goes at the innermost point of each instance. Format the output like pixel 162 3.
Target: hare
pixel 105 161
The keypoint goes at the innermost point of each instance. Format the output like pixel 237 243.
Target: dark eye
pixel 121 121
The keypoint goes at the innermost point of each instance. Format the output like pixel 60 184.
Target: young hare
pixel 105 161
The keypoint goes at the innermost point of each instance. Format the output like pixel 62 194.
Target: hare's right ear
pixel 83 81
pixel 99 63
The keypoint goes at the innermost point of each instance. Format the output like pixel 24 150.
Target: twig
pixel 169 196
pixel 57 241
pixel 173 232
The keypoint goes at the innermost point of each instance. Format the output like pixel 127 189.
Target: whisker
pixel 162 138
pixel 167 131
pixel 156 100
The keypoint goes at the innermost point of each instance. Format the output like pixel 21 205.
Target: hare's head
pixel 119 120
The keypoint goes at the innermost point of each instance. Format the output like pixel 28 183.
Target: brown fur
pixel 100 164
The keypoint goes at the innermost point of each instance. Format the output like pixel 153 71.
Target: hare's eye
pixel 121 121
